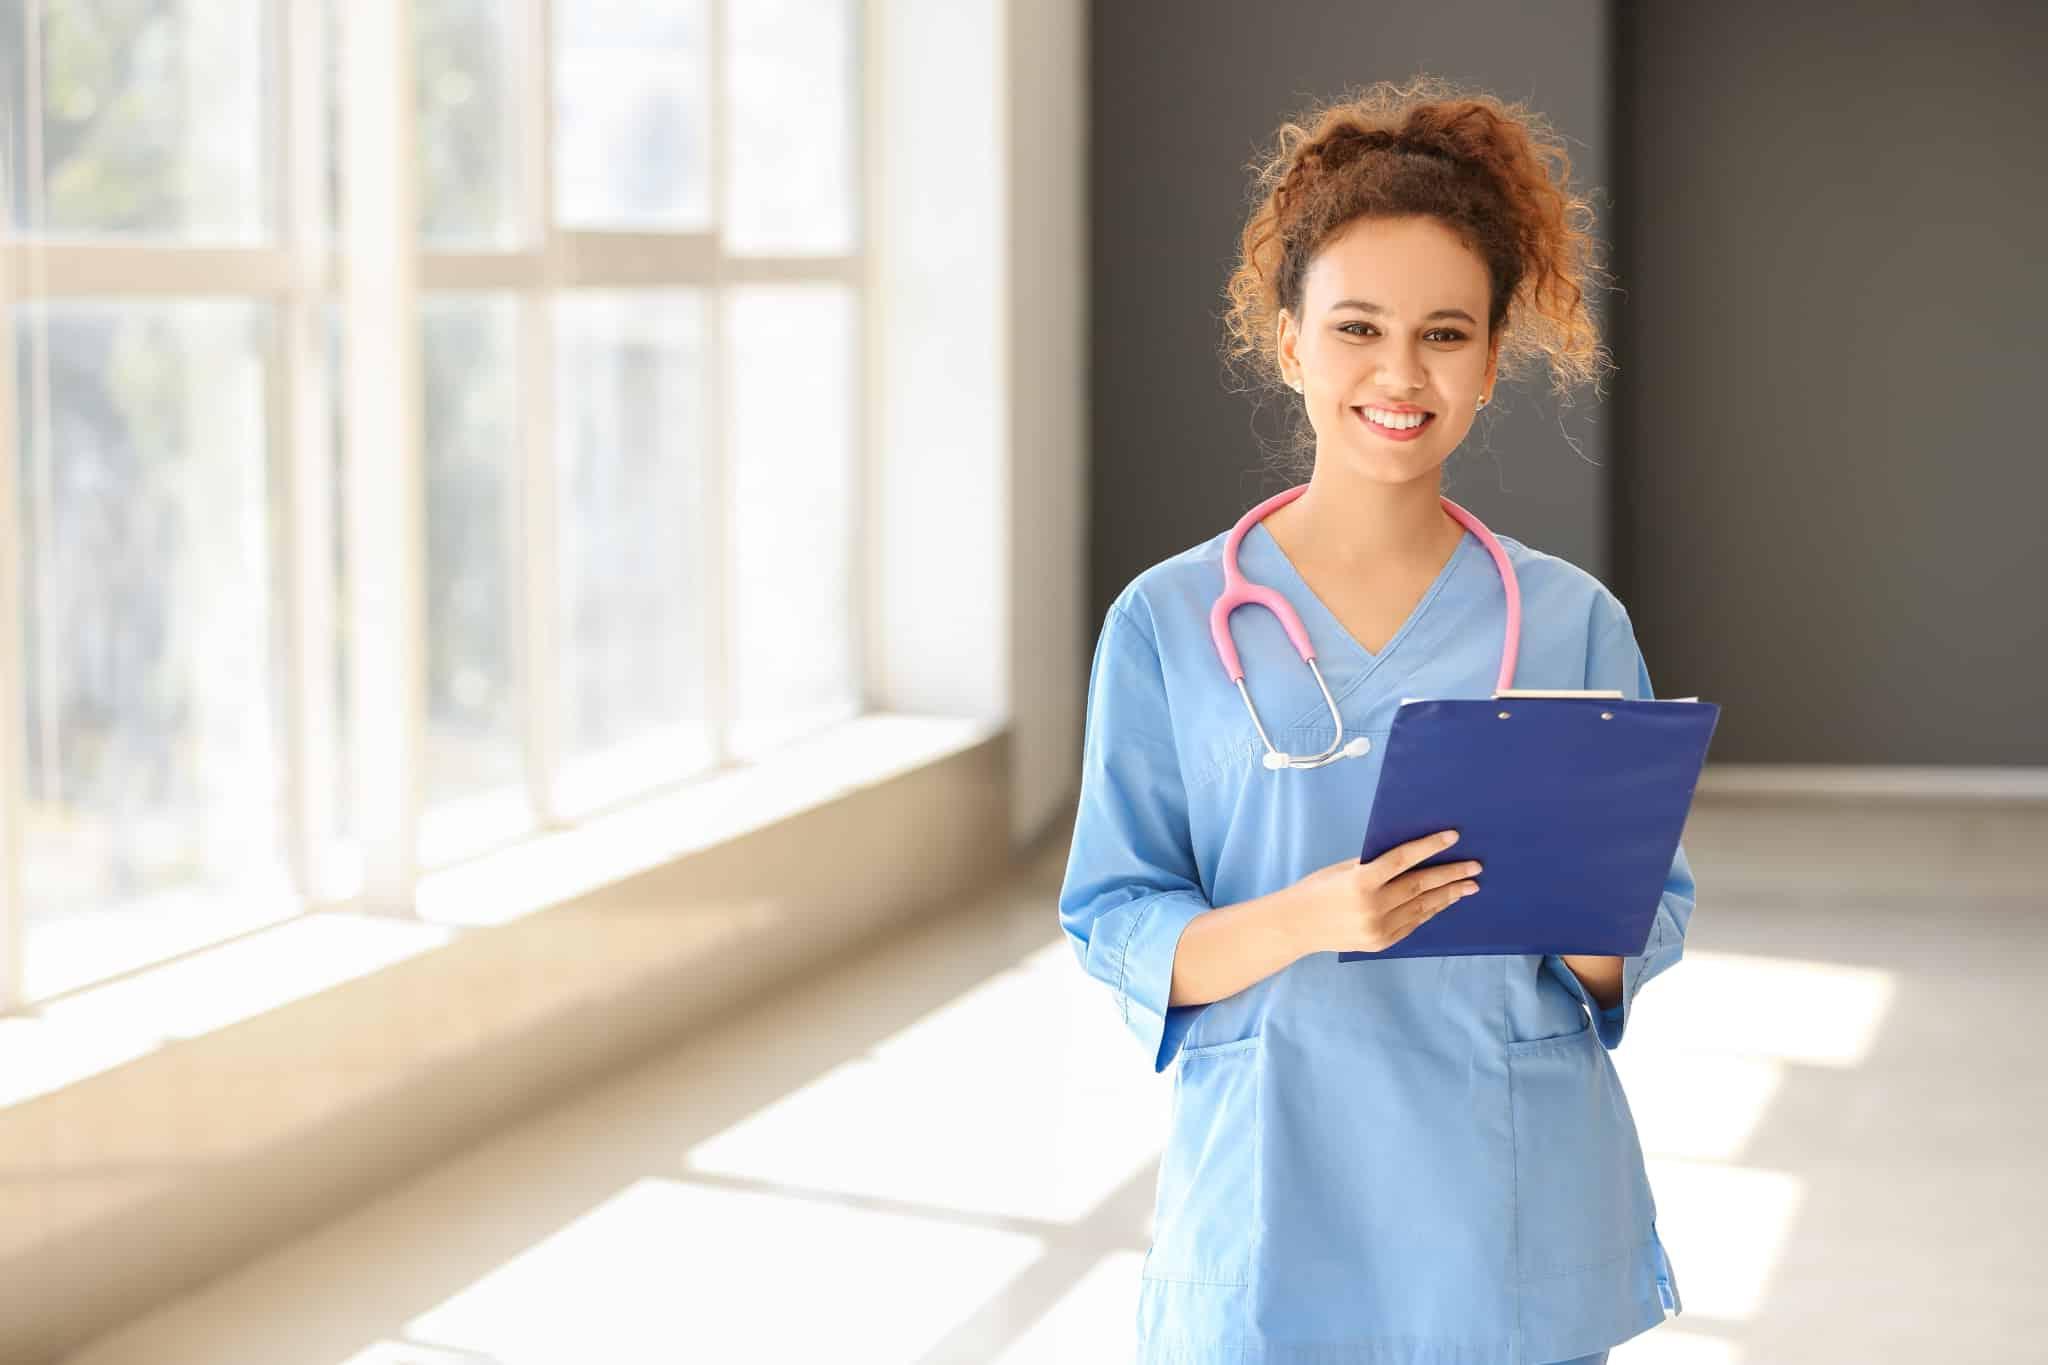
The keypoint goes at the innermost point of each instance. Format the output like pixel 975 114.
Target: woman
pixel 1401 1161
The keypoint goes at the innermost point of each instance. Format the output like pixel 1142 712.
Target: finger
pixel 1414 914
pixel 1432 903
pixel 1401 857
pixel 1429 879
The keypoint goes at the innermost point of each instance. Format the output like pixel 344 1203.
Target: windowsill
pixel 97 1028
pixel 169 1125
pixel 556 867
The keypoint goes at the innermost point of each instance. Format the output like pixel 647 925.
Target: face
pixel 1393 316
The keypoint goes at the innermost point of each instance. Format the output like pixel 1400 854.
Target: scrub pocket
pixel 1205 1212
pixel 1582 1198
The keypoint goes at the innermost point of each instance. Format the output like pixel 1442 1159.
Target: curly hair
pixel 1495 174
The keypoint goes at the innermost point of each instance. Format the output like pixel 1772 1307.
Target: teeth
pixel 1397 421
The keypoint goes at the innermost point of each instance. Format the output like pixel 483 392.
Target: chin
pixel 1390 467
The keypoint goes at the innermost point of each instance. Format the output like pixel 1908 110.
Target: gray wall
pixel 1183 96
pixel 1831 486
pixel 1817 480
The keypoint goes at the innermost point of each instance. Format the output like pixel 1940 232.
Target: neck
pixel 1361 521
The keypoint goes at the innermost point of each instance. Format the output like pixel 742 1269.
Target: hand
pixel 1601 976
pixel 1367 907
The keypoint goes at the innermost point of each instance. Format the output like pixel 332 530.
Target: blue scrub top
pixel 1411 1161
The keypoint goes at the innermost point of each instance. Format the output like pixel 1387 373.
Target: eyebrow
pixel 1362 306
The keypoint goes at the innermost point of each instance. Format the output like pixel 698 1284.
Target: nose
pixel 1400 368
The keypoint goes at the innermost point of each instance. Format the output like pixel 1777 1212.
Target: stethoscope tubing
pixel 1239 591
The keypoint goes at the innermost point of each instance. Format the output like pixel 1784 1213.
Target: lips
pixel 1395 433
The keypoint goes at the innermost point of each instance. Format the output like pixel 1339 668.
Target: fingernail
pixel 1450 837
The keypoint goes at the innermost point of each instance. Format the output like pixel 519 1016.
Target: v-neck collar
pixel 1322 623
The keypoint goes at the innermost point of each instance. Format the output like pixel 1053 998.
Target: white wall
pixel 976 575
pixel 1048 369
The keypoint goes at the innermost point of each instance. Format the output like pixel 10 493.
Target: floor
pixel 944 1150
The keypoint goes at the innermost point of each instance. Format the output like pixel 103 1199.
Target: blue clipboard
pixel 1573 806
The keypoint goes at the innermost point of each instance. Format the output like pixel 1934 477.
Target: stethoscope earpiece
pixel 1275 761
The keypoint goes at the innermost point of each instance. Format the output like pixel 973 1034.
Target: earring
pixel 1482 401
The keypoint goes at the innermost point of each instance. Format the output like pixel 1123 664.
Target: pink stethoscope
pixel 1239 591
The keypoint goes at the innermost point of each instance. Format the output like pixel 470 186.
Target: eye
pixel 1444 334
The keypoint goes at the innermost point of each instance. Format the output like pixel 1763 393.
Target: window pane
pixel 475 758
pixel 469 125
pixel 152 760
pixel 790 375
pixel 629 404
pixel 151 119
pixel 632 146
pixel 792 128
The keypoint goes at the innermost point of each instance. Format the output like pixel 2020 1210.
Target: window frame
pixel 298 273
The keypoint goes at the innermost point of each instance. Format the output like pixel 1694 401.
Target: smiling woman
pixel 1413 1160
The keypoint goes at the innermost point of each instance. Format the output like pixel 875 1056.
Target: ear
pixel 1287 335
pixel 1492 362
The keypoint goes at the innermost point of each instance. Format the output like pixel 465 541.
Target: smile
pixel 1395 426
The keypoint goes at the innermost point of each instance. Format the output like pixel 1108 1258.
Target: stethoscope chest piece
pixel 1358 747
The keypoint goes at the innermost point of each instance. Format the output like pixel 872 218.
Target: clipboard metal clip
pixel 1512 693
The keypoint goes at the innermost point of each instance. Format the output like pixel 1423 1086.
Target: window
pixel 638 325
